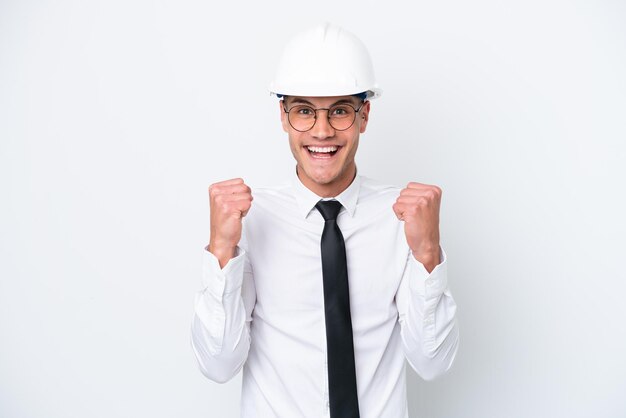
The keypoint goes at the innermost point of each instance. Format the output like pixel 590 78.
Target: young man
pixel 333 280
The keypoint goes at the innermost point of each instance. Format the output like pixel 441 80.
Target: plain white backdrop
pixel 115 116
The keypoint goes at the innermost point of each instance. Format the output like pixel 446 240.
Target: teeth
pixel 322 149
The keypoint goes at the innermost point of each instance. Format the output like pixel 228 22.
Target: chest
pixel 285 256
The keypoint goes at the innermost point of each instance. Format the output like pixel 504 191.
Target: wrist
pixel 430 259
pixel 222 252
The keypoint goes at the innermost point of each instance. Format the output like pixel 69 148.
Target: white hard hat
pixel 325 61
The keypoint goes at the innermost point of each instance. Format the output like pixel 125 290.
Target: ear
pixel 364 116
pixel 283 116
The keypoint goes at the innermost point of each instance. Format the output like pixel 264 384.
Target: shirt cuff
pixel 430 284
pixel 221 281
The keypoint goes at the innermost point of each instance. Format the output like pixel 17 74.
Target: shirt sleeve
pixel 427 316
pixel 220 330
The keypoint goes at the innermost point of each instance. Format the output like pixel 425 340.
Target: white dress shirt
pixel 264 311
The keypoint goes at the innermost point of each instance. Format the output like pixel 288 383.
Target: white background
pixel 115 116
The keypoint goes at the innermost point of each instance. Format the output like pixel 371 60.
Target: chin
pixel 322 178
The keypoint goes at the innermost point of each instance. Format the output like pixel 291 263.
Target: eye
pixel 304 111
pixel 341 111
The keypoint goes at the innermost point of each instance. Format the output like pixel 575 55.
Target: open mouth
pixel 322 152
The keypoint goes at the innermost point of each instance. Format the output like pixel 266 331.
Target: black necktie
pixel 341 371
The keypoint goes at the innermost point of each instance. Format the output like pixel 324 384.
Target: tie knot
pixel 329 209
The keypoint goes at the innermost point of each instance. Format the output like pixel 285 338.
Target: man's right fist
pixel 229 201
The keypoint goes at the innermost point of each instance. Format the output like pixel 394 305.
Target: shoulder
pixel 272 197
pixel 274 192
pixel 376 200
pixel 372 189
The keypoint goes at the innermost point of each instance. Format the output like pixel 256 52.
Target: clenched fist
pixel 418 206
pixel 230 201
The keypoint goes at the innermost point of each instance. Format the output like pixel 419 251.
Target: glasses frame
pixel 327 109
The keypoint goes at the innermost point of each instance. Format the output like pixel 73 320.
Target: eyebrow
pixel 341 101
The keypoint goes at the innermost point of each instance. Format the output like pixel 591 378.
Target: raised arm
pixel 220 331
pixel 427 311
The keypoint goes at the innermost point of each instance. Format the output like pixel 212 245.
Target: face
pixel 324 155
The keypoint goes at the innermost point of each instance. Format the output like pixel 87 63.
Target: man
pixel 333 280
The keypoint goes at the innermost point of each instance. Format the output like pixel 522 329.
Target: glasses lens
pixel 341 117
pixel 301 117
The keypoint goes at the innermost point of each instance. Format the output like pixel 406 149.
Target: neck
pixel 332 189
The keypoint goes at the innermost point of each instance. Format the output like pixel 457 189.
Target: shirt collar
pixel 307 200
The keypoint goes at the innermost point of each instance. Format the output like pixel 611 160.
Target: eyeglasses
pixel 302 118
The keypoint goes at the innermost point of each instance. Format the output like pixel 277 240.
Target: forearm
pixel 428 322
pixel 220 328
pixel 220 356
pixel 431 339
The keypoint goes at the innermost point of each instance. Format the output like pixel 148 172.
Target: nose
pixel 322 128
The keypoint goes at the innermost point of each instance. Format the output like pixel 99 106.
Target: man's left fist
pixel 418 206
